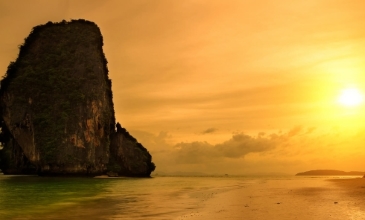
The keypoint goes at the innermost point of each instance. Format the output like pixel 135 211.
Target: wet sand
pixel 301 199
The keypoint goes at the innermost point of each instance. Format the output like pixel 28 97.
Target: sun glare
pixel 350 97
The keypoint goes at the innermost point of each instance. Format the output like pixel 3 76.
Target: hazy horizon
pixel 230 87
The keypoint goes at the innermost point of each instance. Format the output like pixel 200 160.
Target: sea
pixel 159 197
pixel 34 197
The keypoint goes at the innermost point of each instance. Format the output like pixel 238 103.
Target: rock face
pixel 129 156
pixel 57 114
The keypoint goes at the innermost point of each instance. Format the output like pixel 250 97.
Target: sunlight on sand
pixel 302 199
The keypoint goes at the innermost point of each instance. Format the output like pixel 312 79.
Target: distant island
pixel 330 173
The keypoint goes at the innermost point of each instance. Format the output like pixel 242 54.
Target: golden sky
pixel 225 86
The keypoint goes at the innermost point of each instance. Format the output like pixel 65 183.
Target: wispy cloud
pixel 209 130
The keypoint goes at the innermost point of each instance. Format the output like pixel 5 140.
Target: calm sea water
pixel 33 197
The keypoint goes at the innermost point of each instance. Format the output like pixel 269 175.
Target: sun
pixel 350 97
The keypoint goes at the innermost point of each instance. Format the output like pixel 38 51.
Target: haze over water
pixel 285 197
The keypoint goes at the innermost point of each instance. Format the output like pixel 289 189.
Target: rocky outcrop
pixel 57 114
pixel 128 157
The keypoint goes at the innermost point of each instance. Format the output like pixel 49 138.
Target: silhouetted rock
pixel 128 157
pixel 57 114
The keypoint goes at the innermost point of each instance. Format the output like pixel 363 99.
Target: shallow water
pixel 33 197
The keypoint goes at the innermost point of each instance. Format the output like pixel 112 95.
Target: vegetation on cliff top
pixel 56 74
pixel 56 107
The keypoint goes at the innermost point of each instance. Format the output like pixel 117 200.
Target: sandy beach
pixel 301 199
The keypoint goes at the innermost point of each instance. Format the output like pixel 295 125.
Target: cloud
pixel 194 153
pixel 237 147
pixel 209 130
pixel 295 131
pixel 240 145
pixel 297 149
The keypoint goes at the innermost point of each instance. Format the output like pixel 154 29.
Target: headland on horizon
pixel 330 173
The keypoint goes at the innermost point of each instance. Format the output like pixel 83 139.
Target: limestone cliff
pixel 57 114
pixel 130 157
